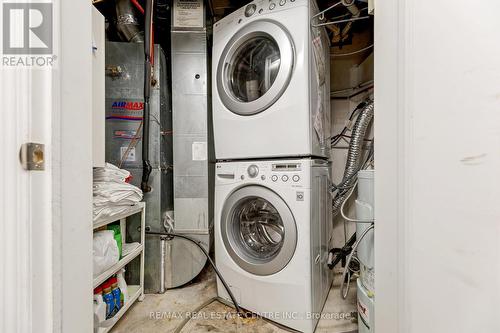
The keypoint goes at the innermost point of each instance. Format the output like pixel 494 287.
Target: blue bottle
pixel 109 299
pixel 116 294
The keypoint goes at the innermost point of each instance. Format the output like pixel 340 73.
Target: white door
pixel 45 214
pixel 255 68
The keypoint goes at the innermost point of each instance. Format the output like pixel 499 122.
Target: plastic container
pixel 118 236
pixel 116 293
pixel 365 210
pixel 99 309
pixel 366 186
pixel 366 310
pixel 108 299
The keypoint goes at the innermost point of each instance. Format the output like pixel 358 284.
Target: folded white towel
pixel 112 195
pixel 110 173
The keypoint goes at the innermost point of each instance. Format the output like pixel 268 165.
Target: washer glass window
pixel 255 67
pixel 258 228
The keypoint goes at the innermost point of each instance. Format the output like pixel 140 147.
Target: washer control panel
pixel 286 172
pixel 282 173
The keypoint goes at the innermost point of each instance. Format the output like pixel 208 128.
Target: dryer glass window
pixel 254 68
pixel 258 228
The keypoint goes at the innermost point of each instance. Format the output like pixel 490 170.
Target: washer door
pixel 255 68
pixel 258 230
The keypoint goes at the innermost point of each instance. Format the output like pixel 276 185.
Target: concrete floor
pixel 163 313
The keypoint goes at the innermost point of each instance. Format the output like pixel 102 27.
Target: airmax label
pixel 133 106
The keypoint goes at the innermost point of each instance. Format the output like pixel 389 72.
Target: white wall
pixel 437 102
pixel 72 185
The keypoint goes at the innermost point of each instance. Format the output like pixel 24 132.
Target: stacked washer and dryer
pixel 271 109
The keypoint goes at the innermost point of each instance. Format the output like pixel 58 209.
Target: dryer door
pixel 258 230
pixel 255 68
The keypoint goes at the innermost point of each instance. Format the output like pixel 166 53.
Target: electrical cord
pixel 354 247
pixel 198 243
pixel 347 218
pixel 352 53
pixel 336 138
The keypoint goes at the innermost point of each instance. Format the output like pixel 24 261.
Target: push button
pixel 282 2
pixel 296 178
pixel 272 6
pixel 274 178
pixel 284 178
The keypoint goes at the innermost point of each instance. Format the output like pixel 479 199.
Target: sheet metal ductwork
pixel 353 163
pixel 128 24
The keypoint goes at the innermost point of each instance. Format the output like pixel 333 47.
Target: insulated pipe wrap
pixel 354 154
pixel 146 165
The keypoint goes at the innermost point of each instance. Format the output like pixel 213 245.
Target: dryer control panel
pixel 257 8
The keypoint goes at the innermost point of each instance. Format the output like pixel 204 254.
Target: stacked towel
pixel 112 194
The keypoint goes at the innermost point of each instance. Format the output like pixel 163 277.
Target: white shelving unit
pixel 135 292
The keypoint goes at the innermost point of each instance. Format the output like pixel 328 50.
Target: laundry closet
pixel 250 166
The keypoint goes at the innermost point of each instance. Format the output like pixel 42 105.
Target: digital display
pixel 286 167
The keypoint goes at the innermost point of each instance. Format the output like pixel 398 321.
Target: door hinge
pixel 32 156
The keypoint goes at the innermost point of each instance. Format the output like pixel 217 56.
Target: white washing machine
pixel 272 229
pixel 270 82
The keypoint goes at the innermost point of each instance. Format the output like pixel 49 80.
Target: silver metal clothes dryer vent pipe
pixel 127 24
pixel 354 155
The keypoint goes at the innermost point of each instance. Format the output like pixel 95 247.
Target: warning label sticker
pixel 131 157
pixel 188 13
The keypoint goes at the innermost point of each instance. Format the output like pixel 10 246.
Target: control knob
pixel 250 10
pixel 253 171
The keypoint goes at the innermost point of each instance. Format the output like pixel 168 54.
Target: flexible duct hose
pixel 354 155
pixel 127 24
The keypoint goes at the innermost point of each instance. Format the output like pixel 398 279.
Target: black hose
pixel 198 243
pixel 146 165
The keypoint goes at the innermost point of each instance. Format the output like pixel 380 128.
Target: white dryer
pixel 272 229
pixel 270 82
